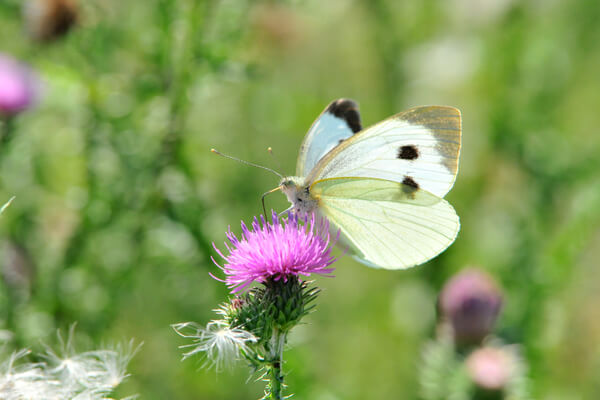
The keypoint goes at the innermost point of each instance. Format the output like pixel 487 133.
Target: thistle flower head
pixel 221 343
pixel 18 86
pixel 277 250
pixel 471 302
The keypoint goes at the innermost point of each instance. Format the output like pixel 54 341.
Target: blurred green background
pixel 118 197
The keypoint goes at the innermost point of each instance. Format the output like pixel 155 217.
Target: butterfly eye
pixel 408 153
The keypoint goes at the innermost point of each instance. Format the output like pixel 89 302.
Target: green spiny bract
pixel 278 304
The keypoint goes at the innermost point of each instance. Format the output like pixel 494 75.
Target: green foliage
pixel 118 197
pixel 439 368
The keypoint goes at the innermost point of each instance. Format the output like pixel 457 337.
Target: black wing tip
pixel 347 110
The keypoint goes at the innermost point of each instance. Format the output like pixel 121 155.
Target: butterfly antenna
pixel 246 162
pixel 265 195
pixel 270 150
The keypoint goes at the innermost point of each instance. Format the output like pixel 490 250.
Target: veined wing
pixel 387 224
pixel 419 147
pixel 339 121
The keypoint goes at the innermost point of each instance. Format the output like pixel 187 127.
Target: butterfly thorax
pixel 298 193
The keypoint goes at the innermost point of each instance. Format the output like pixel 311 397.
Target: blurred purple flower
pixel 470 302
pixel 491 368
pixel 18 86
pixel 276 250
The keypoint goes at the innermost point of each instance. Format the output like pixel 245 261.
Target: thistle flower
pixel 491 368
pixel 276 251
pixel 221 343
pixel 255 324
pixel 470 302
pixel 18 86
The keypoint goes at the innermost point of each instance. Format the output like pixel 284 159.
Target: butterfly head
pixel 299 195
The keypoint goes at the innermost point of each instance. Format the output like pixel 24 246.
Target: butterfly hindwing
pixel 339 121
pixel 387 224
pixel 419 147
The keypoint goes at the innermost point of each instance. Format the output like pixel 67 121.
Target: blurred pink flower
pixel 18 86
pixel 277 250
pixel 471 302
pixel 491 368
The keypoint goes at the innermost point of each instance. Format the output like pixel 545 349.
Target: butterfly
pixel 382 186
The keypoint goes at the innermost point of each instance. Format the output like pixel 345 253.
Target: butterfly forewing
pixel 387 224
pixel 419 147
pixel 339 121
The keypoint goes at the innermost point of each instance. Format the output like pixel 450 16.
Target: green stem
pixel 6 131
pixel 275 387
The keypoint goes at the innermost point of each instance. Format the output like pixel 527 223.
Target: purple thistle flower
pixel 276 250
pixel 18 86
pixel 471 302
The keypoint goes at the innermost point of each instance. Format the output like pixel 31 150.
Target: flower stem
pixel 6 131
pixel 276 385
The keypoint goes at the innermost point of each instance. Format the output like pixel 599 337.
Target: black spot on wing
pixel 347 110
pixel 409 185
pixel 408 181
pixel 408 152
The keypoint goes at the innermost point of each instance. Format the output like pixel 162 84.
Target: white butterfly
pixel 383 186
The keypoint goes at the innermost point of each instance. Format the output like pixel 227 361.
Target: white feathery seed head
pixel 91 375
pixel 221 343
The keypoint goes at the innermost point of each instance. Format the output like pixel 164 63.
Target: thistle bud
pixel 470 303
